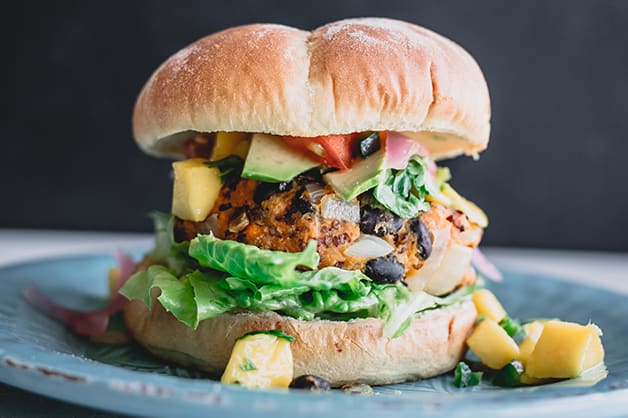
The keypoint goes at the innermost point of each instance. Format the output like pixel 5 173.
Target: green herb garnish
pixel 464 376
pixel 274 332
pixel 248 365
pixel 229 166
pixel 480 318
pixel 403 191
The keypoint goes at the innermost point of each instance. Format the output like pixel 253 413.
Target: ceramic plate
pixel 38 354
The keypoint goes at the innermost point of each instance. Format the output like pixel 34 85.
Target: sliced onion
pixel 440 243
pixel 369 246
pixel 454 265
pixel 485 267
pixel 471 236
pixel 316 191
pixel 337 208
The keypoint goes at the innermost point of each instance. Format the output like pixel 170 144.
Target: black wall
pixel 554 175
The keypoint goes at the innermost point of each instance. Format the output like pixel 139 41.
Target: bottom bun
pixel 339 351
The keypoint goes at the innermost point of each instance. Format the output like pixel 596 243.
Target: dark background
pixel 554 175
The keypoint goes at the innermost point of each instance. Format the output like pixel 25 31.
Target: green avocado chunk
pixel 270 160
pixel 364 175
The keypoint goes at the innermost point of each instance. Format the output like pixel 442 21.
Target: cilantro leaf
pixel 229 166
pixel 248 365
pixel 403 191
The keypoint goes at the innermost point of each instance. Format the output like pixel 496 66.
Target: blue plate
pixel 38 354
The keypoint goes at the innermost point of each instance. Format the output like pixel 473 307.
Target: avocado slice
pixel 364 175
pixel 271 160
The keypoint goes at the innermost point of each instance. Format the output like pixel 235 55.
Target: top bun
pixel 354 75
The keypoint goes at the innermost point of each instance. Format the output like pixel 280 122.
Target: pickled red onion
pixel 85 322
pixel 400 148
pixel 485 267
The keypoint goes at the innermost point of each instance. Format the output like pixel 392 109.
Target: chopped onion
pixel 454 265
pixel 369 246
pixel 316 191
pixel 440 243
pixel 337 208
pixel 485 267
pixel 471 236
pixel 238 223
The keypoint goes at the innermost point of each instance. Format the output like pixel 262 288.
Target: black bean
pixel 376 221
pixel 370 144
pixel 423 239
pixel 385 269
pixel 265 190
pixel 300 204
pixel 310 382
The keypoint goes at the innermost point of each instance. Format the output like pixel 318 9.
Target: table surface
pixel 608 270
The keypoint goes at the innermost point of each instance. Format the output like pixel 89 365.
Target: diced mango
pixel 492 344
pixel 565 350
pixel 533 332
pixel 196 189
pixel 230 143
pixel 261 361
pixel 487 304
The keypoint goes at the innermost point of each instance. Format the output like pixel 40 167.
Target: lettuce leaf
pixel 177 297
pixel 218 276
pixel 167 251
pixel 249 262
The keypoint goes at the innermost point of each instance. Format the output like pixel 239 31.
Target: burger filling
pixel 339 227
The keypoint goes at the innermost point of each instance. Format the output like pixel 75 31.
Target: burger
pixel 307 199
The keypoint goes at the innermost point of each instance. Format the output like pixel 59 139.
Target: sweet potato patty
pixel 286 216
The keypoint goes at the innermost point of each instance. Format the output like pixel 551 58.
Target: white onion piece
pixel 316 191
pixel 369 246
pixel 471 236
pixel 440 243
pixel 454 265
pixel 337 208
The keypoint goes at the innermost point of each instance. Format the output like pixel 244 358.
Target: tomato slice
pixel 332 150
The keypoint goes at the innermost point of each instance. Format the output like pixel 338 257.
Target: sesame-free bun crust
pixel 341 352
pixel 349 76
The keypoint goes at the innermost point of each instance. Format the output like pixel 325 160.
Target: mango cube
pixel 492 344
pixel 487 304
pixel 260 361
pixel 230 143
pixel 533 332
pixel 565 350
pixel 196 189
